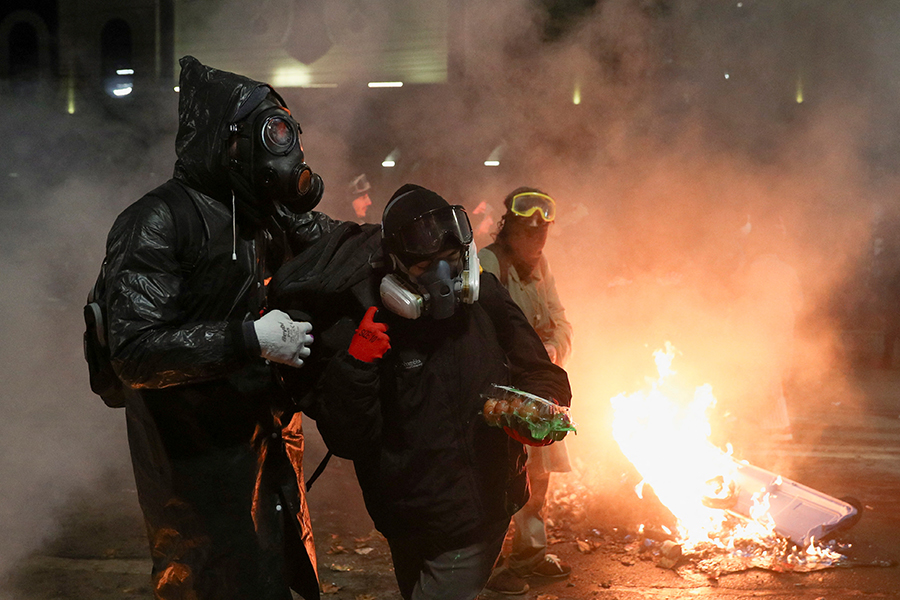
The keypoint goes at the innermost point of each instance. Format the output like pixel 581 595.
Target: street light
pixel 493 160
pixel 391 159
pixel 121 84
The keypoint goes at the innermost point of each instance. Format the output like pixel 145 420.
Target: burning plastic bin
pixel 799 513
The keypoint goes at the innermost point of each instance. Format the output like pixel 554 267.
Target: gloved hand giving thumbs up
pixel 370 341
pixel 282 339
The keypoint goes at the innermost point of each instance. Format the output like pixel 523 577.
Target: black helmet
pixel 418 223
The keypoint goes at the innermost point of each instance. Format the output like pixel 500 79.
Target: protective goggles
pixel 279 134
pixel 528 203
pixel 428 233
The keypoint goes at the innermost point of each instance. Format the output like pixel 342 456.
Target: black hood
pixel 209 101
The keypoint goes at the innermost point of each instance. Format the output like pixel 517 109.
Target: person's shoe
pixel 551 567
pixel 504 581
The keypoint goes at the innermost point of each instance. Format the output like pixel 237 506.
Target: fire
pixel 719 503
pixel 665 434
pixel 729 515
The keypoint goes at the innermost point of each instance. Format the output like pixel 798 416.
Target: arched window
pixel 115 47
pixel 24 55
pixel 115 58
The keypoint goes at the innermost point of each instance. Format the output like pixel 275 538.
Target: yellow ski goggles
pixel 528 203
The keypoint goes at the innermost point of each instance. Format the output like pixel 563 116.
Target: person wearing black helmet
pixel 216 443
pixel 516 257
pixel 424 335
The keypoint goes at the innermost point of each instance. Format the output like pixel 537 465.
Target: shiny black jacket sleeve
pixel 304 229
pixel 151 345
pixel 530 367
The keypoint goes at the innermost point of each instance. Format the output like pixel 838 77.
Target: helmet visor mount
pixel 527 204
pixel 427 234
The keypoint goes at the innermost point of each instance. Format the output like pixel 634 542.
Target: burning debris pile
pixel 697 509
pixel 729 515
pixel 645 530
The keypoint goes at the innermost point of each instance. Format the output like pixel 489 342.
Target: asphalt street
pixel 843 449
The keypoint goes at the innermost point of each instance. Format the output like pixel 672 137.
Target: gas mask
pixel 265 163
pixel 437 291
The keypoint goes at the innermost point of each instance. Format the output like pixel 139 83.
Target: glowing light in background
pixel 799 96
pixel 576 95
pixel 391 159
pixel 70 96
pixel 120 92
pixel 295 75
pixel 493 160
pixel 385 84
pixel 177 88
pixel 124 71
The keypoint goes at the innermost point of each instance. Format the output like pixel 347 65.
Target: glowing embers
pixel 725 510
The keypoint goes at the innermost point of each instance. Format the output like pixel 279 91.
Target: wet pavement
pixel 100 553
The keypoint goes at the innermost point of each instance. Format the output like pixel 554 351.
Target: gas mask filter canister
pixel 436 292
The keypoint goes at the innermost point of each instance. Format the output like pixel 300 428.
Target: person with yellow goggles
pixel 528 203
pixel 516 258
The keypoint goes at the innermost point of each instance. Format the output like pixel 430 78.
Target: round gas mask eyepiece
pixel 278 135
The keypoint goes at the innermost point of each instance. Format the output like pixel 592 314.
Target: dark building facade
pixel 76 49
pixel 29 50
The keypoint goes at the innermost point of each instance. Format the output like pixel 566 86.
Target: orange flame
pixel 665 432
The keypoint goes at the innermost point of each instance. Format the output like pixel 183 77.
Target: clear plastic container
pixel 526 413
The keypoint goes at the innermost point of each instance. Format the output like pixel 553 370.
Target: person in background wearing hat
pixel 216 443
pixel 516 258
pixel 402 397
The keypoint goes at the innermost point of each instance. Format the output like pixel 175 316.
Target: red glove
pixel 370 342
pixel 527 440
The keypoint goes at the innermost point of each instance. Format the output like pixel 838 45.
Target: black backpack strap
pixel 319 469
pixel 189 230
pixel 190 241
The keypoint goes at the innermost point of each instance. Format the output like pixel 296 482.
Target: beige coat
pixel 538 299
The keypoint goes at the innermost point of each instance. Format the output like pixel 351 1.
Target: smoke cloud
pixel 64 179
pixel 690 121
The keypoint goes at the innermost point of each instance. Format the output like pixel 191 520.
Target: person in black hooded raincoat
pixel 216 443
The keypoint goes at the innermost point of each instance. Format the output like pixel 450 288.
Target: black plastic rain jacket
pixel 428 465
pixel 216 442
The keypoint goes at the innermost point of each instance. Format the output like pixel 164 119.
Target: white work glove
pixel 282 339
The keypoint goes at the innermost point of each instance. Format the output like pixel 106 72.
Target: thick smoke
pixel 688 125
pixel 65 177
pixel 694 120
